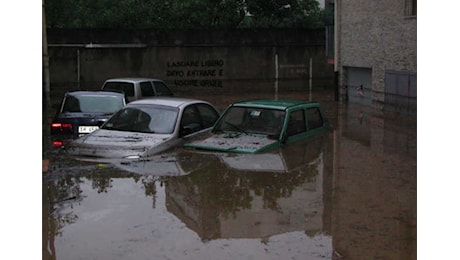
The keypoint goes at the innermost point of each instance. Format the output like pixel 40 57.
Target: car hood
pixel 238 143
pixel 118 144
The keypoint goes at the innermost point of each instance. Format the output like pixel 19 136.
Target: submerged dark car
pixel 82 112
pixel 259 125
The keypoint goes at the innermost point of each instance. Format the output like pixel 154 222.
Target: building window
pixel 411 7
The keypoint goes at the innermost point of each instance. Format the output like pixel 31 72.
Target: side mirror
pixel 185 131
pixel 188 129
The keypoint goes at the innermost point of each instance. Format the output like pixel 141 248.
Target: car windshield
pixel 252 120
pixel 92 104
pixel 144 119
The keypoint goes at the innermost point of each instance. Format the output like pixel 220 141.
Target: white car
pixel 147 127
pixel 137 88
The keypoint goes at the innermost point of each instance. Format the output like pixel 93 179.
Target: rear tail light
pixel 61 127
pixel 57 143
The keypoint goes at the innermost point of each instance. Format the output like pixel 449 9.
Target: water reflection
pixel 375 173
pixel 382 132
pixel 62 192
pixel 172 163
pixel 214 201
pixel 223 202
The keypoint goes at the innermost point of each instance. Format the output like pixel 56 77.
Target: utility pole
pixel 46 67
pixel 46 106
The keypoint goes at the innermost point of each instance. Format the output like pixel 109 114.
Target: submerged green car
pixel 259 125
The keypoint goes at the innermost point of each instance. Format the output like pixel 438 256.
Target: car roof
pixel 273 103
pixel 132 79
pixel 167 101
pixel 94 93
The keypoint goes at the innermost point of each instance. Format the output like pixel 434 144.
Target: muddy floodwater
pixel 350 194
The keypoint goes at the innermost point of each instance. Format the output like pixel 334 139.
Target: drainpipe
pixel 78 68
pixel 276 76
pixel 46 67
pixel 311 78
pixel 337 39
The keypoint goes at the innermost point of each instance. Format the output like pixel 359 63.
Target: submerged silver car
pixel 147 127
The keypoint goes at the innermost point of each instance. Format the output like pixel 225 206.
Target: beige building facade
pixel 375 52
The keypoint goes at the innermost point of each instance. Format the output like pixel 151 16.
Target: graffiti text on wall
pixel 196 73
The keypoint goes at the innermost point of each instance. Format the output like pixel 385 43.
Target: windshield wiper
pixel 235 127
pixel 107 113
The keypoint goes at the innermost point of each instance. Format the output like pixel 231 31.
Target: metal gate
pixel 400 91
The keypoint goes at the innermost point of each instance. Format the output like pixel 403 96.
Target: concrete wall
pixel 376 35
pixel 190 62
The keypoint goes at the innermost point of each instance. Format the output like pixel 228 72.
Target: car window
pixel 125 87
pixel 163 119
pixel 252 120
pixel 146 119
pixel 191 119
pixel 146 89
pixel 314 118
pixel 296 123
pixel 162 89
pixel 208 115
pixel 71 105
pixel 100 104
pixel 122 120
pixel 233 117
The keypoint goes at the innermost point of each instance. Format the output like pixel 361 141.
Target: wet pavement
pixel 348 195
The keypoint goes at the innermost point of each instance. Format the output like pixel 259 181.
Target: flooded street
pixel 351 194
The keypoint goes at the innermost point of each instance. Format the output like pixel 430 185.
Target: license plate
pixel 87 129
